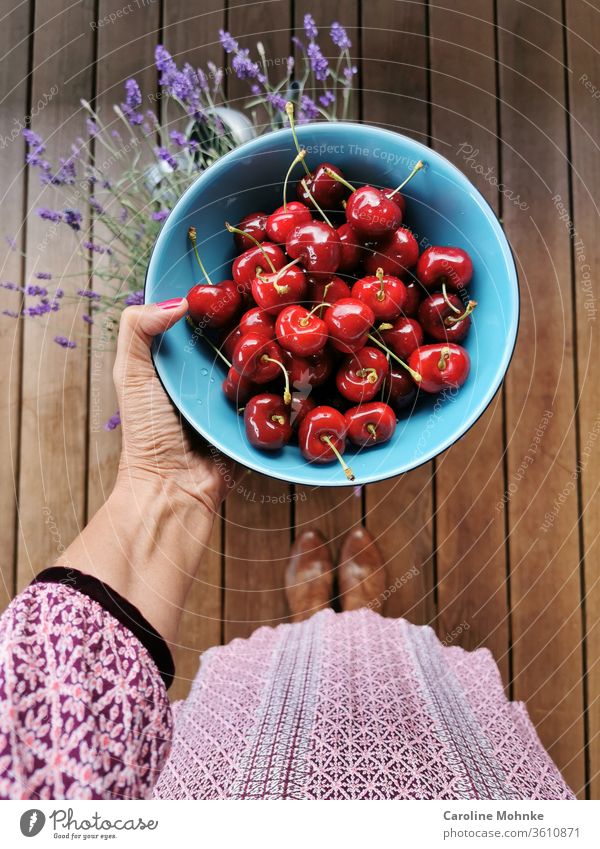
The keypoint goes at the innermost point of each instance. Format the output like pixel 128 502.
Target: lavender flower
pixel 89 294
pixel 73 218
pixel 308 110
pixel 135 299
pixel 92 127
pixel 178 137
pixel 298 43
pixel 42 275
pixel 10 313
pixel 34 141
pixel 245 68
pixel 327 98
pixel 96 206
pixel 96 248
pixel 310 27
pixel 318 62
pixel 36 291
pixel 160 215
pixel 113 422
pixel 11 242
pixel 87 318
pixel 133 101
pixel 339 36
pixel 349 73
pixel 6 284
pixel 228 42
pixel 165 64
pixel 276 100
pixel 49 214
pixel 166 155
pixel 65 342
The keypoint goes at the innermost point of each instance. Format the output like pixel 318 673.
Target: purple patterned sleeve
pixel 84 712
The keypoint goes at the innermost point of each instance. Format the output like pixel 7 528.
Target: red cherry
pixel 257 358
pixel 399 389
pixel 255 225
pixel 273 292
pixel 349 322
pixel 445 318
pixel 237 388
pixel 259 320
pixel 245 265
pixel 372 214
pixel 383 293
pixel 370 424
pixel 316 245
pixel 326 190
pixel 327 289
pixel 361 375
pixel 414 293
pixel 352 248
pixel 267 421
pixel 300 407
pixel 214 306
pixel 281 222
pixel 438 266
pixel 396 255
pixel 230 340
pixel 308 372
pixel 441 366
pixel 301 332
pixel 322 437
pixel 402 337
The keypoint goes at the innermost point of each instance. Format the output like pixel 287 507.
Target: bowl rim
pixel 424 152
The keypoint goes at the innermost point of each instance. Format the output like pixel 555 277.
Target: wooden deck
pixel 515 81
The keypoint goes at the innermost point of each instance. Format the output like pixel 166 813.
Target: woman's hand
pixel 157 445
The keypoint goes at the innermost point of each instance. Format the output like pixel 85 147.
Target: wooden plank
pixel 333 511
pixel 395 95
pixel 471 555
pixel 258 512
pixel 583 36
pixel 192 36
pixel 53 426
pixel 545 591
pixel 14 109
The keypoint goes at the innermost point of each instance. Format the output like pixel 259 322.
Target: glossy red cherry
pixel 230 339
pixel 384 293
pixel 301 405
pixel 414 295
pixel 214 306
pixel 360 376
pixel 325 189
pixel 372 214
pixel 237 388
pixel 370 424
pixel 257 358
pixel 327 289
pixel 308 372
pixel 441 366
pixel 399 389
pixel 281 222
pixel 352 248
pixel 402 337
pixel 349 323
pixel 273 292
pixel 445 318
pixel 267 421
pixel 255 225
pixel 322 437
pixel 439 266
pixel 301 332
pixel 259 320
pixel 246 265
pixel 317 246
pixel 395 256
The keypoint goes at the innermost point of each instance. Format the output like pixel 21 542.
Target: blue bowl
pixel 443 208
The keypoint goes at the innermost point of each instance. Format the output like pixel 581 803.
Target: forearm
pixel 147 543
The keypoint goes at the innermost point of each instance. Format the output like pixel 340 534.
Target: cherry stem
pixel 420 164
pixel 289 111
pixel 233 229
pixel 372 430
pixel 443 360
pixel 192 237
pixel 201 335
pixel 381 293
pixel 386 325
pixel 368 374
pixel 287 395
pixel 340 179
pixel 414 374
pixel 316 205
pixel 281 290
pixel 347 470
pixel 299 158
pixel 455 319
pixel 303 322
pixel 448 301
pixel 278 419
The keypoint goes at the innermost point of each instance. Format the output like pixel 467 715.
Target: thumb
pixel 138 327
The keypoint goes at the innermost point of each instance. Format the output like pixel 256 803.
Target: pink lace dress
pixel 342 706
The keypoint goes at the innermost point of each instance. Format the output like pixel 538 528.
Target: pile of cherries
pixel 333 321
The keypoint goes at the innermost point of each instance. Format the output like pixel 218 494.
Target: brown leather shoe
pixel 361 573
pixel 309 576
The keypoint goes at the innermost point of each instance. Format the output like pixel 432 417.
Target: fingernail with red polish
pixel 170 304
